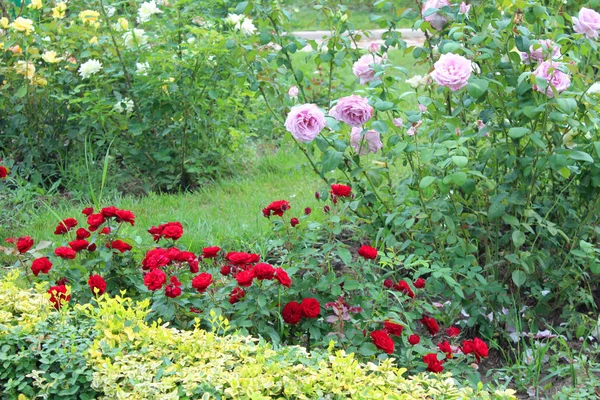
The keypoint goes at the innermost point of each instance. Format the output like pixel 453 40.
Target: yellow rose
pixel 4 22
pixel 50 57
pixel 89 17
pixel 123 23
pixel 35 4
pixel 58 12
pixel 39 81
pixel 25 68
pixel 23 25
pixel 93 40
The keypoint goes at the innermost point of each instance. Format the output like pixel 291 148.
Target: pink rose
pixel 464 8
pixel 374 47
pixel 398 122
pixel 545 49
pixel 293 92
pixel 353 110
pixel 452 71
pixel 363 69
pixel 554 76
pixel 422 108
pixel 588 23
pixel 370 141
pixel 305 122
pixel 436 20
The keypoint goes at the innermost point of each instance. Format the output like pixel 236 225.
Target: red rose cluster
pixel 170 230
pixel 293 312
pixel 276 208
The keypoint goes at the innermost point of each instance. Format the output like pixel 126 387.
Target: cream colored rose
pixel 35 4
pixel 4 22
pixel 58 12
pixel 123 23
pixel 23 25
pixel 135 37
pixel 89 68
pixel 25 68
pixel 50 57
pixel 89 17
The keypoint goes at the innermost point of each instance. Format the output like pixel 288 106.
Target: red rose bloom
pixel 65 252
pixel 403 287
pixel 294 222
pixel 276 208
pixel 172 230
pixel 210 252
pixel 109 212
pixel 480 349
pixel 445 348
pixel 155 279
pixel 326 209
pixel 420 283
pixel 340 190
pixel 202 281
pixel 24 244
pixel 307 211
pixel 82 233
pixel 155 258
pixel 310 308
pixel 393 328
pixel 467 347
pixel 193 266
pixel 94 221
pixel 388 283
pixel 253 258
pixel 383 341
pixel 414 339
pixel 87 211
pixel 105 231
pixel 292 313
pixel 433 364
pixel 97 284
pixel 65 226
pixel 452 331
pixel 59 296
pixel 317 195
pixel 125 216
pixel 225 270
pixel 236 295
pixel 367 252
pixel 264 271
pixel 238 257
pixel 181 256
pixel 42 265
pixel 282 277
pixel 430 324
pixel 119 245
pixel 92 247
pixel 3 172
pixel 173 290
pixel 78 245
pixel 244 278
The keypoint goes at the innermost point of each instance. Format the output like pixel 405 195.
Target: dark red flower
pixel 238 257
pixel 173 290
pixel 119 245
pixel 276 208
pixel 419 283
pixel 193 266
pixel 65 252
pixel 430 324
pixel 480 349
pixel 433 364
pixel 317 195
pixel 236 295
pixel 94 221
pixel 3 172
pixel 326 209
pixel 310 308
pixel 294 222
pixel 125 216
pixel 65 226
pixel 340 190
pixel 155 258
pixel 282 277
pixel 59 296
pixel 42 265
pixel 244 278
pixel 92 247
pixel 82 233
pixel 388 283
pixel 263 271
pixel 467 347
pixel 202 281
pixel 382 341
pixel 225 270
pixel 79 244
pixel 195 310
pixel 292 313
pixel 97 284
pixel 393 328
pixel 24 243
pixel 210 252
pixel 445 348
pixel 155 279
pixel 87 211
pixel 403 287
pixel 307 211
pixel 105 231
pixel 452 331
pixel 109 212
pixel 170 230
pixel 367 252
pixel 414 339
pixel 253 258
pixel 181 256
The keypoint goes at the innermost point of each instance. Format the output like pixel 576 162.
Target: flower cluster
pixel 293 312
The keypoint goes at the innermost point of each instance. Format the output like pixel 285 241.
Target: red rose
pixel 172 230
pixel 276 208
pixel 393 328
pixel 294 222
pixel 92 247
pixel 87 211
pixel 94 221
pixel 244 278
pixel 388 283
pixel 105 231
pixel 326 209
pixel 292 313
pixel 155 232
pixel 155 279
pixel 452 331
pixel 210 252
pixel 237 257
pixel 125 216
pixel 253 258
pixel 467 347
pixel 225 270
pixel 193 266
pixel 403 287
pixel 383 341
pixel 155 258
pixel 236 295
pixel 264 271
pixel 65 226
pixel 310 308
pixel 181 256
pixel 173 290
pixel 414 339
pixel 24 244
pixel 65 252
pixel 340 190
pixel 480 349
pixel 419 283
pixel 97 284
pixel 82 233
pixel 433 364
pixel 42 265
pixel 59 296
pixel 79 244
pixel 119 245
pixel 109 212
pixel 430 324
pixel 317 195
pixel 307 211
pixel 202 281
pixel 445 348
pixel 3 172
pixel 282 277
pixel 367 252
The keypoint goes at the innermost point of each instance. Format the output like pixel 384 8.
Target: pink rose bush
pixel 363 68
pixel 369 142
pixel 545 49
pixel 556 79
pixel 436 20
pixel 305 122
pixel 353 110
pixel 587 22
pixel 452 71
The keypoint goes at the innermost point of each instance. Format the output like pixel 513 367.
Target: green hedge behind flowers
pixel 108 351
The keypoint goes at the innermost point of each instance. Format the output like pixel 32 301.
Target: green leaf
pixel 580 156
pixel 351 284
pixel 518 238
pixel 496 210
pixel 522 43
pixel 459 178
pixel 344 255
pixel 383 105
pixel 566 105
pixel 510 219
pixel 241 7
pixel 477 87
pixel 22 91
pixel 262 301
pixel 380 126
pixel 426 181
pixel 460 161
pixel 519 277
pixel 517 133
pixel 331 159
pixel 367 349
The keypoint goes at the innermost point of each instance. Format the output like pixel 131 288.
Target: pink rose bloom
pixel 543 50
pixel 436 20
pixel 398 122
pixel 353 110
pixel 374 47
pixel 422 108
pixel 293 92
pixel 363 69
pixel 370 141
pixel 556 78
pixel 588 23
pixel 452 71
pixel 305 122
pixel 412 131
pixel 464 8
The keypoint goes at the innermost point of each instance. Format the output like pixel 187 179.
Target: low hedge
pixel 109 351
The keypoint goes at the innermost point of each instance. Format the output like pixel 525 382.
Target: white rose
pixel 89 68
pixel 146 10
pixel 415 81
pixel 142 68
pixel 128 103
pixel 131 38
pixel 247 27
